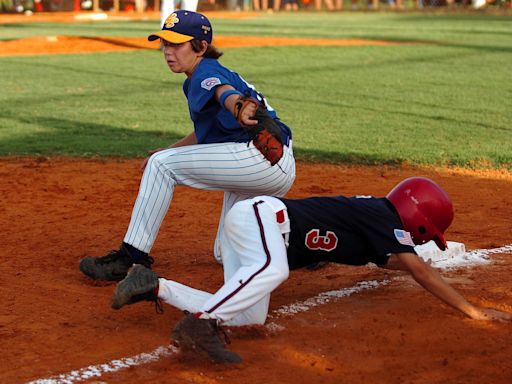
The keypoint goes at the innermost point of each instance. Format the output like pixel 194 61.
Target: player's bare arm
pixel 190 139
pixel 433 282
pixel 246 116
pixel 394 263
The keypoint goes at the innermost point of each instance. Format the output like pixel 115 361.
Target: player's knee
pixel 154 161
pixel 159 162
pixel 159 158
pixel 277 275
pixel 284 273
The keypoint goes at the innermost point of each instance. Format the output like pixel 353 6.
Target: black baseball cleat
pixel 112 267
pixel 138 285
pixel 202 335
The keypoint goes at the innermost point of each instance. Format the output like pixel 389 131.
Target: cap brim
pixel 170 36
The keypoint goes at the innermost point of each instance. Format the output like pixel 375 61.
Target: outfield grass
pixel 445 100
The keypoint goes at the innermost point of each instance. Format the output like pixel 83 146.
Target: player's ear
pixel 204 47
pixel 199 46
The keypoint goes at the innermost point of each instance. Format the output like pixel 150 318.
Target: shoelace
pixel 159 306
pixel 112 256
pixel 115 254
pixel 220 330
pixel 147 262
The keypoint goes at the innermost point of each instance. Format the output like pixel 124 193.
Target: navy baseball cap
pixel 182 26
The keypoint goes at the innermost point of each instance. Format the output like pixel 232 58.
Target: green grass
pixel 444 101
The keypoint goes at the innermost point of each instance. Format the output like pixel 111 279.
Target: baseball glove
pixel 266 135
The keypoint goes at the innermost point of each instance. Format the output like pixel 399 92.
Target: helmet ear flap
pixel 427 231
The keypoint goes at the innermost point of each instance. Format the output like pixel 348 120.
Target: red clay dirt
pixel 44 45
pixel 55 211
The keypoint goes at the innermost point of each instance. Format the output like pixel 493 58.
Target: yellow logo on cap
pixel 171 21
pixel 205 29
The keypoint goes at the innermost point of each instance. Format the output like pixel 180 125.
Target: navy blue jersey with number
pixel 212 122
pixel 348 230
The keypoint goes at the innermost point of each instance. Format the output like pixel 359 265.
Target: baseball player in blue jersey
pixel 238 145
pixel 266 237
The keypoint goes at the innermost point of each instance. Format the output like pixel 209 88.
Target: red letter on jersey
pixel 326 243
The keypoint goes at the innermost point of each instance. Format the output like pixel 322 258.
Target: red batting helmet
pixel 424 208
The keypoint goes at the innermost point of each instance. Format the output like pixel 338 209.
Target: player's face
pixel 181 58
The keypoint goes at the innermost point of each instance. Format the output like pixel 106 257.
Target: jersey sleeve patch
pixel 210 82
pixel 404 237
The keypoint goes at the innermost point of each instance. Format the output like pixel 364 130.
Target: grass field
pixel 444 99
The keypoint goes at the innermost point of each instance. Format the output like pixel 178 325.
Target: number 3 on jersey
pixel 316 242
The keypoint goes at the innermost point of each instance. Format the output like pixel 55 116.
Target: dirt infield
pixel 55 211
pixel 44 45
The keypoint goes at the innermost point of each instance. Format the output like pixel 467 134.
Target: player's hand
pixel 151 152
pixel 489 314
pixel 246 116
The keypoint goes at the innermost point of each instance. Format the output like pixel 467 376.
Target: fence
pixel 19 6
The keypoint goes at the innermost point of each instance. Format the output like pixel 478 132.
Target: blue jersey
pixel 212 122
pixel 346 230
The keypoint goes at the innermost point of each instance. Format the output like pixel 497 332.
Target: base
pixel 430 251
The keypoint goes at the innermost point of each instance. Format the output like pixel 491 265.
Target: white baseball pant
pixel 255 263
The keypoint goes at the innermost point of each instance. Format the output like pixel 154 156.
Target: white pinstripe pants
pixel 236 168
pixel 255 263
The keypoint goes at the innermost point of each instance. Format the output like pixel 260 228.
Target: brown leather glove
pixel 266 134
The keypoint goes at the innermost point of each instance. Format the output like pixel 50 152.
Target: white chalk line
pixel 160 352
pixel 486 252
pixel 477 256
pixel 326 297
pixel 113 366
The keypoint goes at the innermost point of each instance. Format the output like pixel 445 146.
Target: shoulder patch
pixel 210 82
pixel 404 237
